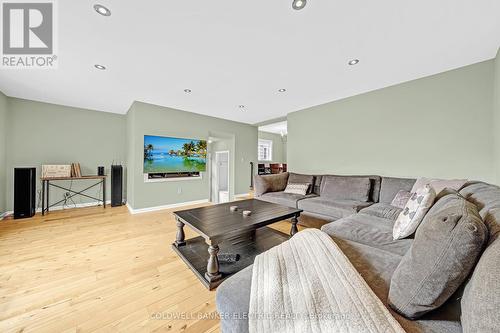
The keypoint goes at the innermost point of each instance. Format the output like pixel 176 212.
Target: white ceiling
pixel 276 128
pixel 235 52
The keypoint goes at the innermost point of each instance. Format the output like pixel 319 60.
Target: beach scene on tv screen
pixel 165 154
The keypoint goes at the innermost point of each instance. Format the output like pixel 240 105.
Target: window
pixel 265 150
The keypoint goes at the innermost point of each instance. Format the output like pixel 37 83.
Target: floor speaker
pixel 116 185
pixel 24 192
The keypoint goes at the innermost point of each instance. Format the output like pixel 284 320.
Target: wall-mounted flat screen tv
pixel 170 155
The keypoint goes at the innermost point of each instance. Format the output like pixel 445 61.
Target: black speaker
pixel 116 185
pixel 24 192
pixel 100 171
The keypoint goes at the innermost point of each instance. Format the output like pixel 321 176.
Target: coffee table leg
pixel 213 273
pixel 294 229
pixel 179 238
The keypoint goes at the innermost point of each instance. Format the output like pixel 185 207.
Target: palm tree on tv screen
pixel 148 151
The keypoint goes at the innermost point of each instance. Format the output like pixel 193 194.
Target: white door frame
pixel 217 153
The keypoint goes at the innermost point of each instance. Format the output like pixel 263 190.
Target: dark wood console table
pixel 46 183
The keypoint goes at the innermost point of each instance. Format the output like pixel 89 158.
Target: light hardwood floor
pixel 100 270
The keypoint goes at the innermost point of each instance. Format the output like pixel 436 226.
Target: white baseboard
pixel 163 207
pixel 80 205
pixel 242 195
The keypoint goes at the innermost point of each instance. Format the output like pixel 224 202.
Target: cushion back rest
pixel 297 178
pixel 481 298
pixel 270 183
pixel 374 190
pixel 390 186
pixel 346 188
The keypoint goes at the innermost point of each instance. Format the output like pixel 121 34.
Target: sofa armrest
pixel 270 183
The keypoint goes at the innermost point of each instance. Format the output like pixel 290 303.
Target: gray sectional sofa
pixel 361 224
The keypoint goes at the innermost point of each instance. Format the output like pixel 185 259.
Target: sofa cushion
pixel 233 301
pixel 270 183
pixel 439 184
pixel 481 298
pixel 285 199
pixel 484 196
pixel 297 178
pixel 333 208
pixel 375 266
pixel 390 186
pixel 446 248
pixel 346 188
pixel 369 230
pixel 383 210
pixel 413 213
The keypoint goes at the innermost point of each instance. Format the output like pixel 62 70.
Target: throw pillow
pixel 413 212
pixel 401 199
pixel 297 188
pixel 439 184
pixel 297 178
pixel 446 248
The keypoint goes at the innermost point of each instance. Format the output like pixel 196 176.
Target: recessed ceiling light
pixel 353 62
pixel 241 106
pixel 102 10
pixel 282 90
pixel 187 90
pixel 298 4
pixel 101 67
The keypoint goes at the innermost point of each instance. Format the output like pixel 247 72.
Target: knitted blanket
pixel 307 284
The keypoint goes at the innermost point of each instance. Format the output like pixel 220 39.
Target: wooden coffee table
pixel 217 225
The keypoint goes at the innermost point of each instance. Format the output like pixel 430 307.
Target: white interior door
pixel 222 176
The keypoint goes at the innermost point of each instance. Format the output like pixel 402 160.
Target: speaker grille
pixel 24 192
pixel 116 185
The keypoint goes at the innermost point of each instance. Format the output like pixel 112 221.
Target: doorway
pixel 221 174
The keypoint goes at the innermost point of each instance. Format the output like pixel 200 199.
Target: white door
pixel 222 176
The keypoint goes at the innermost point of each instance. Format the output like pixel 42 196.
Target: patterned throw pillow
pixel 413 213
pixel 401 199
pixel 297 188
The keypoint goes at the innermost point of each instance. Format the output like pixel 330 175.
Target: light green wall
pixel 496 117
pixel 130 129
pixel 156 120
pixel 3 137
pixel 439 126
pixel 41 133
pixel 279 147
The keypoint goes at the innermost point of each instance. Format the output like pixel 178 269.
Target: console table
pixel 47 183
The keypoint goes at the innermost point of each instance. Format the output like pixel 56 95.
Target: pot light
pixel 298 4
pixel 101 67
pixel 282 90
pixel 187 90
pixel 102 10
pixel 353 62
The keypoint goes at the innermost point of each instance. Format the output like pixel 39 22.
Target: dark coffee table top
pixel 217 221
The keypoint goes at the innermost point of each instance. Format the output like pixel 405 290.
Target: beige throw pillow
pixel 413 213
pixel 439 184
pixel 297 188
